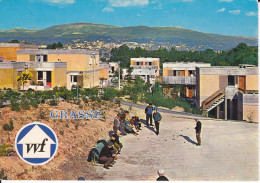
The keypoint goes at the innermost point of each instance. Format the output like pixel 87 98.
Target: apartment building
pixel 228 92
pixel 8 51
pixel 146 68
pixel 45 75
pixel 82 65
pixel 182 75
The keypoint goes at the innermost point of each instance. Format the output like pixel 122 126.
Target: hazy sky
pixel 230 17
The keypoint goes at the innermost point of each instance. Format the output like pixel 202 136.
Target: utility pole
pixel 93 56
pixel 119 75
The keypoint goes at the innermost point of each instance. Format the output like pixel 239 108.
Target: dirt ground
pixel 76 138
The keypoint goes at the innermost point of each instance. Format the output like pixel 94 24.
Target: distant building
pixel 181 74
pixel 113 66
pixel 146 68
pixel 228 92
pixel 82 65
pixel 8 50
pixel 104 73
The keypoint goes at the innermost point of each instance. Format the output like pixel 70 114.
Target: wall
pixel 9 53
pixel 252 82
pixel 104 73
pixel 208 84
pixel 88 79
pixel 7 78
pixel 250 110
pixel 59 77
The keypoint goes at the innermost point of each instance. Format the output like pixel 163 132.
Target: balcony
pixel 188 80
pixel 145 66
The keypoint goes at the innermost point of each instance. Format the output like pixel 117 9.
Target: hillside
pixel 90 31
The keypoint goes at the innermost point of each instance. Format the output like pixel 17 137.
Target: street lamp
pixel 119 75
pixel 93 57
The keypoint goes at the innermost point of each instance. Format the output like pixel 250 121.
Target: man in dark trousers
pixel 198 131
pixel 157 118
pixel 106 155
pixel 161 176
pixel 149 114
pixel 117 122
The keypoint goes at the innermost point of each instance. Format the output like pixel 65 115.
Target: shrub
pixel 3 176
pixel 42 113
pixel 25 104
pixel 9 127
pixel 6 127
pixel 34 104
pixel 5 149
pixel 109 93
pixel 15 106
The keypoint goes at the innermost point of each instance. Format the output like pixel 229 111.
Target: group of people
pixel 107 151
pixel 124 124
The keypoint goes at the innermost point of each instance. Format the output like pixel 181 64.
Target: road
pixel 229 151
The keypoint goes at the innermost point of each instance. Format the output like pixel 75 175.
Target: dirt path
pixel 229 151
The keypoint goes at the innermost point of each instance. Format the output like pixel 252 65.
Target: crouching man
pixel 107 156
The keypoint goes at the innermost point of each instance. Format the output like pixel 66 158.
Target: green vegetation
pixel 55 45
pixel 242 54
pixel 3 176
pixel 9 127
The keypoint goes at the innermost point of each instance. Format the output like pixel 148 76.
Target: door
pixel 182 73
pixel 242 83
pixel 48 79
pixel 190 92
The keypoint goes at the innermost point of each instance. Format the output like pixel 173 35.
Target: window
pixel 40 75
pixel 74 79
pixel 231 80
pixel 150 63
pixel 137 63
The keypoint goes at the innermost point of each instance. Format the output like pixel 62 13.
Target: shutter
pixel 223 81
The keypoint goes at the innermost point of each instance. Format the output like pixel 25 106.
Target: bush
pixel 9 127
pixel 3 176
pixel 25 104
pixel 109 93
pixel 15 106
pixel 34 104
pixel 6 127
pixel 5 150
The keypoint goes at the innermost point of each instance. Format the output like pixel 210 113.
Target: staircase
pixel 214 100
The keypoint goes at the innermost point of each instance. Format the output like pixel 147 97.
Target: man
pixel 161 176
pixel 116 142
pixel 138 123
pixel 149 114
pixel 157 118
pixel 122 122
pixel 116 123
pixel 106 155
pixel 198 131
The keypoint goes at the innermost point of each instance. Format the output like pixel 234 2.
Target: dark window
pixel 40 75
pixel 137 63
pixel 45 58
pixel 48 76
pixel 75 79
pixel 231 80
pixel 150 63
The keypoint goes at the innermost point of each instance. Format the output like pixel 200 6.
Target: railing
pixel 145 66
pixel 179 80
pixel 213 98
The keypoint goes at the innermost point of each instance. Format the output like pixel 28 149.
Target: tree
pixel 14 41
pixel 24 77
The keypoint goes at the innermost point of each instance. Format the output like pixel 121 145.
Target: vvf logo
pixel 36 143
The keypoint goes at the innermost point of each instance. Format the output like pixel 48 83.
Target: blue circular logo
pixel 36 143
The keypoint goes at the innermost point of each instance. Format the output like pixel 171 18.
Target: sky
pixel 228 17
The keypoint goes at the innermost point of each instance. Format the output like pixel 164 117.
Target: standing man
pixel 157 118
pixel 149 114
pixel 122 122
pixel 161 176
pixel 116 123
pixel 198 131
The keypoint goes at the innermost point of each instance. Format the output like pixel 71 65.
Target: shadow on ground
pixel 149 128
pixel 188 139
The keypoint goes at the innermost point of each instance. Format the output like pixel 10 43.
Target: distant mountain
pixel 90 31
